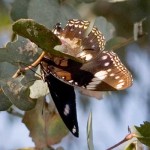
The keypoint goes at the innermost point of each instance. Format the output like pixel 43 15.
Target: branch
pixel 15 113
pixel 127 137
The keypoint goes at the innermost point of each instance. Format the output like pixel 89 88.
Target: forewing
pixel 64 98
pixel 108 73
pixel 104 73
pixel 85 46
pixel 75 29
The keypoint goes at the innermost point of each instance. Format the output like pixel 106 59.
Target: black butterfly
pixel 101 70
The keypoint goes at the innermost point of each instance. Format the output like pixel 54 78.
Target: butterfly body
pixel 99 70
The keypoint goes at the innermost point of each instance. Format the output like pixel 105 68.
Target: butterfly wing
pixel 64 98
pixel 102 70
pixel 103 73
pixel 77 43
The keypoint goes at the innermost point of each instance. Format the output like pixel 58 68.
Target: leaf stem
pixel 19 71
pixel 15 113
pixel 127 137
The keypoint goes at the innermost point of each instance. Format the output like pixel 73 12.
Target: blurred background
pixel 117 110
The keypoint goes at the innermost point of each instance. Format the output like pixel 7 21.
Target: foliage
pixel 34 20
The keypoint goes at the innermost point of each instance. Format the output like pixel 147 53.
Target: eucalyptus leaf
pixel 85 1
pixel 19 9
pixel 45 125
pixel 6 70
pixel 40 35
pixel 131 146
pixel 19 52
pixel 18 94
pixel 4 101
pixel 37 33
pixel 116 43
pixel 39 89
pixel 90 133
pixel 45 12
pixel 105 27
pixel 135 145
pixel 50 12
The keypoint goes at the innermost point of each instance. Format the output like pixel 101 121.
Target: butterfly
pixel 100 71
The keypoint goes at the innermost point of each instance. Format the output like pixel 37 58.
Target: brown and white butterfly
pixel 101 71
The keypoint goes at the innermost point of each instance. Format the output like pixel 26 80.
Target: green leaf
pixel 40 35
pixel 116 43
pixel 105 27
pixel 45 125
pixel 6 71
pixel 37 33
pixel 18 94
pixel 19 9
pixel 38 89
pixel 135 145
pixel 90 133
pixel 144 131
pixel 131 146
pixel 19 52
pixel 50 12
pixel 4 101
pixel 85 1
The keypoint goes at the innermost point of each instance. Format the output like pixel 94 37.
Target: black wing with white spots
pixel 64 98
pixel 101 70
pixel 104 73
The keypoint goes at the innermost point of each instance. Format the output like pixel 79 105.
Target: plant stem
pixel 127 137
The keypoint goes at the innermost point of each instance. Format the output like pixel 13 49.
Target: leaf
pixel 4 101
pixel 18 94
pixel 105 27
pixel 131 146
pixel 90 133
pixel 37 33
pixel 67 12
pixel 6 71
pixel 50 12
pixel 116 43
pixel 135 145
pixel 38 89
pixel 144 131
pixel 19 52
pixel 19 9
pixel 40 35
pixel 45 125
pixel 85 1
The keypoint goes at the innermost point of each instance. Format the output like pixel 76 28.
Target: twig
pixel 21 70
pixel 128 137
pixel 15 113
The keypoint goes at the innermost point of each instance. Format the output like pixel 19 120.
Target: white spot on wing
pixel 95 79
pixel 71 81
pixel 119 86
pixel 91 86
pixel 117 77
pixel 66 110
pixel 95 82
pixel 74 130
pixel 112 74
pixel 82 54
pixel 88 57
pixel 109 70
pixel 93 46
pixel 121 80
pixel 104 57
pixel 101 75
pixel 106 64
